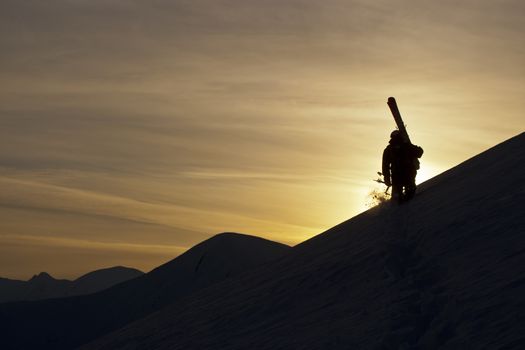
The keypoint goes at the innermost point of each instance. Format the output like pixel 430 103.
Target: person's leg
pixel 397 187
pixel 410 188
pixel 397 193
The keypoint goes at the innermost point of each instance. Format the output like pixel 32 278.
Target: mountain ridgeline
pixel 44 286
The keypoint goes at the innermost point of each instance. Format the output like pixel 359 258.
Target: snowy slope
pixel 44 286
pixel 69 322
pixel 446 270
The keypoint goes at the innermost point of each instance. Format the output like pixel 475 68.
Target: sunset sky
pixel 131 130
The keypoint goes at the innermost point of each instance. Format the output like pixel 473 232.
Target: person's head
pixel 396 134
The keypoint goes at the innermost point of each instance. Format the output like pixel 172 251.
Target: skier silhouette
pixel 400 165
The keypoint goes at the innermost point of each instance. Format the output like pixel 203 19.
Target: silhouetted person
pixel 400 165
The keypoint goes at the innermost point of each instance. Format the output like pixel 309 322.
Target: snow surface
pixel 446 270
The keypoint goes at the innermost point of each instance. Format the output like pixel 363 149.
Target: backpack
pixel 416 152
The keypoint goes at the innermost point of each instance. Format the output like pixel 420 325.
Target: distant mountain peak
pixel 112 270
pixel 237 237
pixel 42 276
pixel 45 286
pixel 223 235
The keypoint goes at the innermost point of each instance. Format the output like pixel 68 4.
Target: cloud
pixel 61 242
pixel 188 219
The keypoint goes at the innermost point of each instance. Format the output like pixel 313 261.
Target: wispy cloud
pixel 61 242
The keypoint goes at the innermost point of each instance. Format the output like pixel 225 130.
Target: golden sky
pixel 132 130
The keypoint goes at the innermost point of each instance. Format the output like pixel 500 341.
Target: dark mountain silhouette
pixel 102 279
pixel 68 322
pixel 44 286
pixel 445 270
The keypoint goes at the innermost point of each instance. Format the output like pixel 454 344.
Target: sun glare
pixel 426 172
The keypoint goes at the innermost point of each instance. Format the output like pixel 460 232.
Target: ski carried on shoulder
pixel 397 117
pixel 418 151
